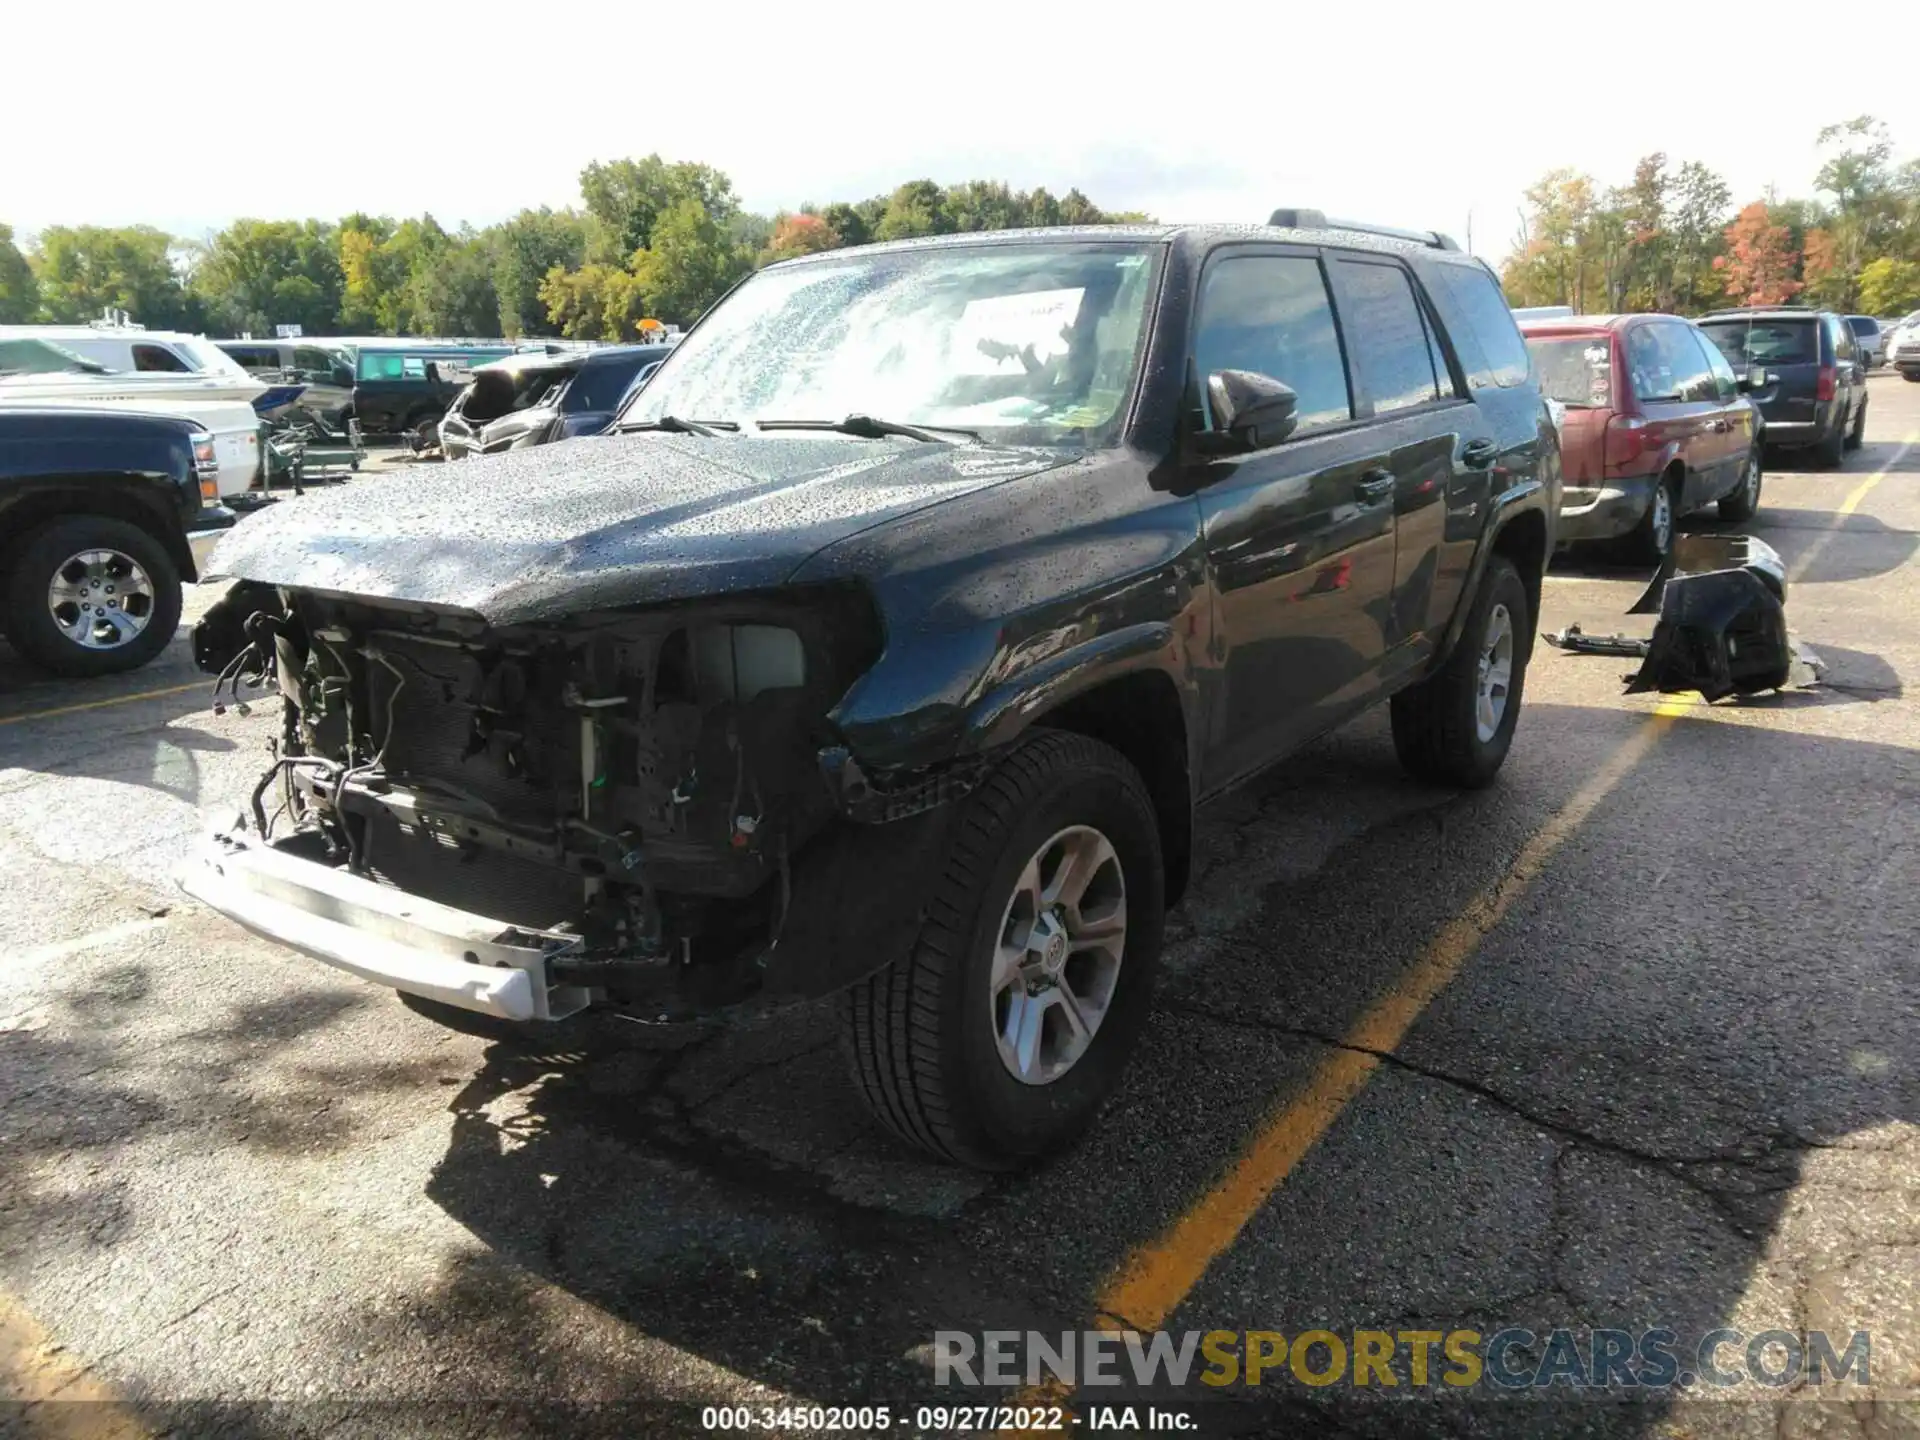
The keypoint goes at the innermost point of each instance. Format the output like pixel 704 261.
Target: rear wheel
pixel 1857 436
pixel 1651 540
pixel 1745 499
pixel 996 1038
pixel 1455 727
pixel 1831 453
pixel 92 595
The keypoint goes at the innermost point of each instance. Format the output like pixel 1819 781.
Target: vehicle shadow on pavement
pixel 141 742
pixel 1656 1096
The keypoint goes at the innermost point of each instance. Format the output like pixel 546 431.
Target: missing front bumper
pixel 381 934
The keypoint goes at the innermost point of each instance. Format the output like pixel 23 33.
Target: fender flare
pixel 1003 712
pixel 1522 499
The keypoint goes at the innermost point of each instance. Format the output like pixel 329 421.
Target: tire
pixel 133 577
pixel 1831 453
pixel 924 1035
pixel 1857 436
pixel 1651 540
pixel 1744 502
pixel 1438 729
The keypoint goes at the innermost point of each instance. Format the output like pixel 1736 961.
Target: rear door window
pixel 1386 335
pixel 1470 300
pixel 1575 369
pixel 1271 315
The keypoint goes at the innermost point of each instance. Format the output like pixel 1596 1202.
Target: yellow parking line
pixel 56 1398
pixel 1849 506
pixel 1156 1277
pixel 103 704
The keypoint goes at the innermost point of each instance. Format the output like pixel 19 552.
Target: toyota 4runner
pixel 886 644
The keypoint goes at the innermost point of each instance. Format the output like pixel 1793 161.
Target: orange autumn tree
pixel 800 234
pixel 1759 264
pixel 1820 273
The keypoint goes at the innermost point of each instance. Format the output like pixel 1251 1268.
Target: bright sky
pixel 167 114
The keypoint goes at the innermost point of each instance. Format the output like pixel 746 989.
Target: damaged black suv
pixel 887 643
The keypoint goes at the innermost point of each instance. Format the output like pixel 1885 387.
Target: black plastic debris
pixel 1722 629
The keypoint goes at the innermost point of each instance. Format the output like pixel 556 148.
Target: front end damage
pixel 649 810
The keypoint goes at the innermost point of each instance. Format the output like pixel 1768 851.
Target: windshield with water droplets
pixel 1025 343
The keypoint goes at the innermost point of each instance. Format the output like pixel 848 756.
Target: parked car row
pixel 1667 415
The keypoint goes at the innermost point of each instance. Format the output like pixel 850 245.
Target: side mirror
pixel 1253 411
pixel 1756 378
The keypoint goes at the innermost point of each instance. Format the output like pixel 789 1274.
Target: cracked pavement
pixel 1676 1084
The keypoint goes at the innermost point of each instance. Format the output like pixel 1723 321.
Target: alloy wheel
pixel 1056 960
pixel 101 599
pixel 1495 674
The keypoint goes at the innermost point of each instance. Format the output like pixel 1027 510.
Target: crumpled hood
pixel 604 521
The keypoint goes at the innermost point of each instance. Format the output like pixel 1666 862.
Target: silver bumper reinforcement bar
pixel 382 934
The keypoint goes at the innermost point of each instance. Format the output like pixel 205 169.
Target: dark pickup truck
pixel 103 513
pixel 886 643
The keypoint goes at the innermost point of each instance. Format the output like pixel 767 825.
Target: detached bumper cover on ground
pixel 1723 622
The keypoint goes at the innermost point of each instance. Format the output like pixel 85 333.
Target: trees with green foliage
pixel 1890 286
pixel 257 274
pixel 626 199
pixel 691 263
pixel 654 238
pixel 19 290
pixel 452 288
pixel 525 248
pixel 915 208
pixel 82 270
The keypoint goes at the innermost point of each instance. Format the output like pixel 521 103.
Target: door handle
pixel 1478 453
pixel 1375 485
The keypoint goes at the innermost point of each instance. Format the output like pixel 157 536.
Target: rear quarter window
pixel 1473 309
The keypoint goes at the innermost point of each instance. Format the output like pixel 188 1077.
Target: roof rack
pixel 1294 218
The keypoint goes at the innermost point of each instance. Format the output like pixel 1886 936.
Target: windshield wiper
pixel 872 427
pixel 674 425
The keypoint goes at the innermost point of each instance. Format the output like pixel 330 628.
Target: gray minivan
pixel 1813 392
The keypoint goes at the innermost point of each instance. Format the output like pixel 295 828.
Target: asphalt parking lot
pixel 1626 1041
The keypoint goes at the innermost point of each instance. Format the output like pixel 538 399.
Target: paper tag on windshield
pixel 993 335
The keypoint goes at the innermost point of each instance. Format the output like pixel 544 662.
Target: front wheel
pixel 1456 726
pixel 1744 502
pixel 92 595
pixel 996 1038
